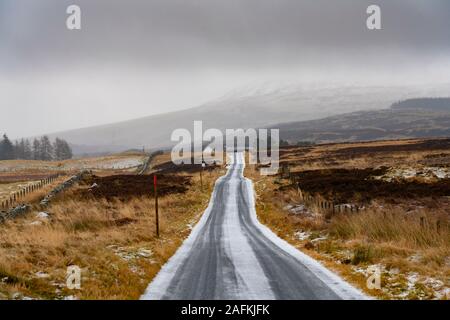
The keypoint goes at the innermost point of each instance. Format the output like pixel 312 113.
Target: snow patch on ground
pixel 42 275
pixel 35 223
pixel 410 285
pixel 302 235
pixel 365 270
pixel 298 209
pixel 146 253
pixel 130 254
pixel 323 238
pixel 107 164
pixel 110 162
pixel 43 215
pixel 426 173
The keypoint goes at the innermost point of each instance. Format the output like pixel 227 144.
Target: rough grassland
pixel 113 242
pixel 402 238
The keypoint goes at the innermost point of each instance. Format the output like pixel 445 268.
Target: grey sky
pixel 135 58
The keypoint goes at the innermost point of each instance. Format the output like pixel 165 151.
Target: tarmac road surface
pixel 230 255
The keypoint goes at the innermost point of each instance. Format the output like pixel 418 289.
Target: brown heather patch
pixel 362 155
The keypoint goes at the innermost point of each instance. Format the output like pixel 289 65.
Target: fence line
pixel 147 162
pixel 325 207
pixel 329 208
pixel 15 198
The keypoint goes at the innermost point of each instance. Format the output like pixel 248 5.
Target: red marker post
pixel 155 188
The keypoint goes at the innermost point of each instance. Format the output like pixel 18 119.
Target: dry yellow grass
pixel 391 225
pixel 113 243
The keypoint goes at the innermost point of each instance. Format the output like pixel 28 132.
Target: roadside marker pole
pixel 155 183
pixel 201 178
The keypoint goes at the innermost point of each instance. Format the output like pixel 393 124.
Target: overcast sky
pixel 136 58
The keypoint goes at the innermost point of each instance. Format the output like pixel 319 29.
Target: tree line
pixel 38 149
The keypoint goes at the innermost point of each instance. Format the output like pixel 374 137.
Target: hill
pixel 431 104
pixel 250 107
pixel 401 121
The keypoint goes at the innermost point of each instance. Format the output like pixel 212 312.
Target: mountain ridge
pixel 248 109
pixel 394 123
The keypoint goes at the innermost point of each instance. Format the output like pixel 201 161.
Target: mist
pixel 139 58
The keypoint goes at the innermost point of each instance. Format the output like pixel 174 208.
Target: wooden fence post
pixel 201 176
pixel 155 188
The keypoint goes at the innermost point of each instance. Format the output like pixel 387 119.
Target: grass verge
pixel 412 255
pixel 113 242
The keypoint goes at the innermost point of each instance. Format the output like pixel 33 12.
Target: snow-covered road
pixel 230 255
